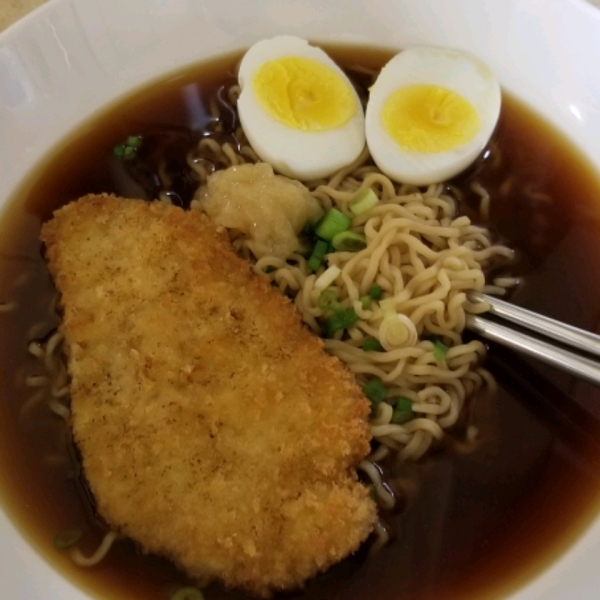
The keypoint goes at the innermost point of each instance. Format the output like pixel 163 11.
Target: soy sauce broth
pixel 469 525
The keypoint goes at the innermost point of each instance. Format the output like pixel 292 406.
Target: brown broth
pixel 476 525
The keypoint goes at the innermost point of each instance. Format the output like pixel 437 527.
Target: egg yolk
pixel 429 119
pixel 303 94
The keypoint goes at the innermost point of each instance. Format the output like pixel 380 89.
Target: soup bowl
pixel 68 60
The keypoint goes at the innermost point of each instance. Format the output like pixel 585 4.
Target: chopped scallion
pixel 119 151
pixel 128 150
pixel 314 263
pixel 67 538
pixel 375 292
pixel 340 320
pixel 375 391
pixel 327 278
pixel 328 301
pixel 439 349
pixel 188 593
pixel 134 141
pixel 318 253
pixel 372 345
pixel 366 301
pixel 320 249
pixel 403 411
pixel 364 201
pixel 348 241
pixel 331 224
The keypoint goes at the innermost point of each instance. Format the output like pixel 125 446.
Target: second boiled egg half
pixel 298 109
pixel 430 113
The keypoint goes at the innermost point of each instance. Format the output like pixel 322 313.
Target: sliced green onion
pixel 439 350
pixel 320 249
pixel 331 224
pixel 188 593
pixel 366 301
pixel 134 141
pixel 67 538
pixel 318 253
pixel 348 241
pixel 327 277
pixel 314 263
pixel 129 152
pixel 397 331
pixel 340 320
pixel 372 345
pixel 375 391
pixel 375 292
pixel 364 201
pixel 119 151
pixel 328 301
pixel 403 411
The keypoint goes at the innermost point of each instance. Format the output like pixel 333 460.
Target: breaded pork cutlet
pixel 213 427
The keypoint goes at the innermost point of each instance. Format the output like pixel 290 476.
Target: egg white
pixel 457 71
pixel 303 155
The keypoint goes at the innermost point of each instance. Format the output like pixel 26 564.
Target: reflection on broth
pixel 488 508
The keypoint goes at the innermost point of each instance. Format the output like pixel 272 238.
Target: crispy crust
pixel 213 426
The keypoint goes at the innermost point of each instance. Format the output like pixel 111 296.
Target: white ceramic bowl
pixel 68 59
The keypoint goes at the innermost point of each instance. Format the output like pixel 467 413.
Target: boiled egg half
pixel 298 109
pixel 430 113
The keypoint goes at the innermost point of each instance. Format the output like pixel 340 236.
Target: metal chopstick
pixel 546 351
pixel 550 328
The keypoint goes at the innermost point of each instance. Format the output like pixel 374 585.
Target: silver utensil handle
pixel 580 366
pixel 544 326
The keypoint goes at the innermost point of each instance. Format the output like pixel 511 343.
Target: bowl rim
pixel 573 560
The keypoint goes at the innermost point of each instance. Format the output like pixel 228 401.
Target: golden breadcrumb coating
pixel 214 428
